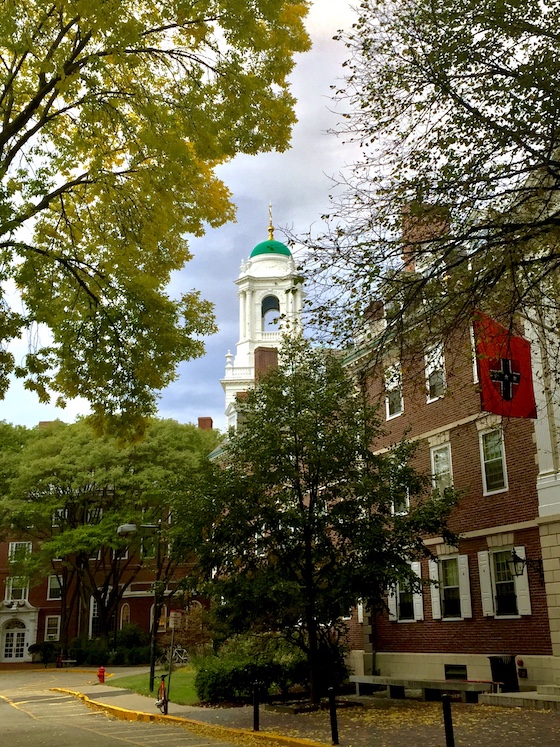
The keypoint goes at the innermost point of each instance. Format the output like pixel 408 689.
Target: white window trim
pixel 94 513
pixel 473 354
pixel 9 589
pixel 393 373
pixel 50 637
pixel 481 435
pixel 417 600
pixel 407 506
pixel 59 516
pixel 488 589
pixel 464 587
pixel 49 597
pixel 433 449
pixel 93 612
pixel 434 355
pixel 13 548
pixel 124 608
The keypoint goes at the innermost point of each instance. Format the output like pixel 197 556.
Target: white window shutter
pixel 392 603
pixel 417 597
pixel 464 586
pixel 434 589
pixel 485 583
pixel 522 587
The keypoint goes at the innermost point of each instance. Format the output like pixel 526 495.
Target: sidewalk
pixel 372 721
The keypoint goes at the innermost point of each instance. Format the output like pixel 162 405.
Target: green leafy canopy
pixel 113 117
pixel 294 523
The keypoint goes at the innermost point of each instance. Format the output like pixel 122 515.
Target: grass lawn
pixel 182 685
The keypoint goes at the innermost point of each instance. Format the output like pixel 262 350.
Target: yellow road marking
pixel 16 706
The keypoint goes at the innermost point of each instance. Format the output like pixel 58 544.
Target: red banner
pixel 504 370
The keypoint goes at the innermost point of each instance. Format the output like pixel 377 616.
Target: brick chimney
pixel 205 424
pixel 265 359
pixel 421 223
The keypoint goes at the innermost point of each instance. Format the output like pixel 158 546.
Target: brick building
pixel 478 620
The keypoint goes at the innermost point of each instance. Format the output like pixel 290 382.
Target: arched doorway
pixel 13 641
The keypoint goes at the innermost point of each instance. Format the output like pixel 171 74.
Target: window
pixel 52 627
pixel 54 589
pixel 17 588
pixel 441 467
pixel 162 622
pixel 492 455
pixel 59 516
pixel 94 515
pixel 435 373
pixel 148 545
pixel 503 595
pixel 94 622
pixel 19 551
pixel 504 585
pixel 400 501
pixel 450 590
pixel 125 615
pixel 406 604
pixel 393 392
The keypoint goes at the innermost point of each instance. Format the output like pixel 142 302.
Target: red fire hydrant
pixel 101 675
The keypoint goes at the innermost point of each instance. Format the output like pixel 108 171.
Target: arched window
pixel 270 313
pixel 125 614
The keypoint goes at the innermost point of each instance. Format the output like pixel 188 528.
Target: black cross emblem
pixel 506 378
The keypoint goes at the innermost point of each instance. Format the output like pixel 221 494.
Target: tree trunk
pixel 313 660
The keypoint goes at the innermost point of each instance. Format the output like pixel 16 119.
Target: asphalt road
pixel 31 715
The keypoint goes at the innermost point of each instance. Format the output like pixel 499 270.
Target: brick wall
pixel 458 418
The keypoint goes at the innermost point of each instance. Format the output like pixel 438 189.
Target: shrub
pixel 131 636
pixel 231 673
pixel 46 651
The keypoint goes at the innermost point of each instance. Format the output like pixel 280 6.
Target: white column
pixel 242 315
pixel 250 315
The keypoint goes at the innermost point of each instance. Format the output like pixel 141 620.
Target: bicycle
pixel 180 656
pixel 162 701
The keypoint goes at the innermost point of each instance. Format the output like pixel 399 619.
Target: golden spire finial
pixel 270 226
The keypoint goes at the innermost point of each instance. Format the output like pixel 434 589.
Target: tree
pixel 114 116
pixel 70 490
pixel 455 108
pixel 295 522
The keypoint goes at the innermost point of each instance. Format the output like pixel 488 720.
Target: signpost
pixel 174 620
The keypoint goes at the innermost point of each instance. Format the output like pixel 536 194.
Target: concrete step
pixel 532 700
pixel 548 689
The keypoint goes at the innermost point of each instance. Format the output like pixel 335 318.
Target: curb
pixel 226 733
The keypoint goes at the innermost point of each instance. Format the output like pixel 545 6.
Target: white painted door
pixel 14 641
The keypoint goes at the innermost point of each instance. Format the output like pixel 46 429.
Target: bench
pixel 431 689
pixel 66 663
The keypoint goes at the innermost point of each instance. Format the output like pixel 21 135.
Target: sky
pixel 296 182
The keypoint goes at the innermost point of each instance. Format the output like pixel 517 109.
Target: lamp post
pixel 125 530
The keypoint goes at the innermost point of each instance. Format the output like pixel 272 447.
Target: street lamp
pixel 125 530
pixel 517 564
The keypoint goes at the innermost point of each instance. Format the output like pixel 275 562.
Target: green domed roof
pixel 271 246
